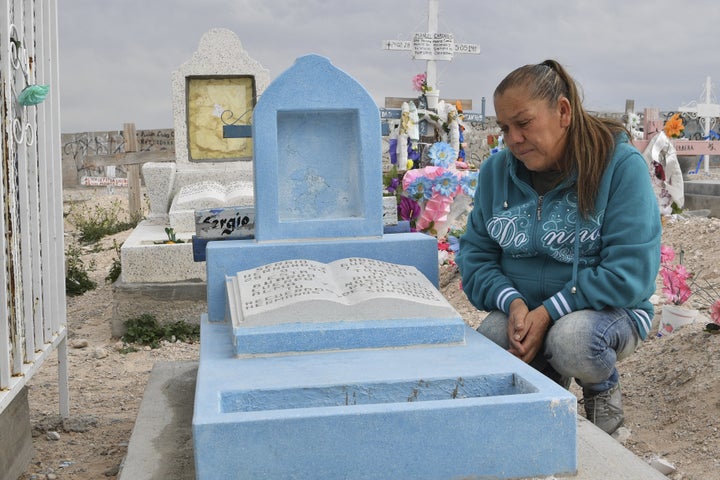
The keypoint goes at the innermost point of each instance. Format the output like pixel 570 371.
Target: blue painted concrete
pixel 232 256
pixel 317 151
pixel 431 412
pixel 199 244
pixel 315 337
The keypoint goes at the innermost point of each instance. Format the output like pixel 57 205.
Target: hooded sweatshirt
pixel 519 244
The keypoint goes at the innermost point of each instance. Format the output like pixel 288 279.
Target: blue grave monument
pixel 394 386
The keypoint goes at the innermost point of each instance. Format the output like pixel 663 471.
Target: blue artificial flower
pixel 446 184
pixel 469 183
pixel 420 188
pixel 454 243
pixel 442 154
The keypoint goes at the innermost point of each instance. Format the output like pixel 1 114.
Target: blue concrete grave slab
pixel 429 412
pixel 317 152
pixel 346 335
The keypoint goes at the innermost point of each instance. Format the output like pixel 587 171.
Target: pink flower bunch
pixel 419 82
pixel 675 277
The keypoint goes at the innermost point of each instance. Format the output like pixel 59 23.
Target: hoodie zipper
pixel 539 207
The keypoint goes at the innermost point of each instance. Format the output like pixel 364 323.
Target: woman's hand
pixel 526 330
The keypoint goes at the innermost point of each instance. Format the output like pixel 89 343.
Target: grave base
pixel 445 411
pixel 16 448
pixel 167 302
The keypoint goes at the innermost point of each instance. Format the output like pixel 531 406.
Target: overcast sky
pixel 117 57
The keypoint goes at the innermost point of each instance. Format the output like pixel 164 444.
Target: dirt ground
pixel 671 385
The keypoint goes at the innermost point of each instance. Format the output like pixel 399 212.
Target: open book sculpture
pixel 332 302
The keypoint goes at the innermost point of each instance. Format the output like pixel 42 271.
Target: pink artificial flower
pixel 682 272
pixel 715 313
pixel 435 212
pixel 418 82
pixel 674 277
pixel 675 285
pixel 667 254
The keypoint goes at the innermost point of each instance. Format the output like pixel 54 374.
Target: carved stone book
pixel 349 289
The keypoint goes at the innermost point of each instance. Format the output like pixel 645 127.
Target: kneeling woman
pixel 563 243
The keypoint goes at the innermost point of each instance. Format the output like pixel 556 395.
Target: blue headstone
pixel 318 169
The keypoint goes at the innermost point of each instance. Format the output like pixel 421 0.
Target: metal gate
pixel 32 274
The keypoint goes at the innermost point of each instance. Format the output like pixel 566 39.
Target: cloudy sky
pixel 117 58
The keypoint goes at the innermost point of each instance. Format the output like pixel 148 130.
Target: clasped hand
pixel 527 329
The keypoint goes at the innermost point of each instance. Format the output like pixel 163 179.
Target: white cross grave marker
pixel 708 111
pixel 432 46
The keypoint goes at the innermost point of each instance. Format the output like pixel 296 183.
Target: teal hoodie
pixel 519 244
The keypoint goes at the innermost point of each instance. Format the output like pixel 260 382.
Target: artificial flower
pixel 469 183
pixel 446 184
pixel 419 82
pixel 667 254
pixel 441 154
pixel 674 126
pixel 393 186
pixel 715 312
pixel 675 277
pixel 413 152
pixel 408 209
pixel 392 150
pixel 454 243
pixel 33 94
pixel 420 188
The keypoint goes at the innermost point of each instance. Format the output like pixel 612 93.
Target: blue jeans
pixel 583 345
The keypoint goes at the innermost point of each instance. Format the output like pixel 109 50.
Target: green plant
pixel 171 237
pixel 116 267
pixel 99 222
pixel 77 280
pixel 146 330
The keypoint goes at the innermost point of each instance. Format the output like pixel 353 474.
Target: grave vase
pixel 432 98
pixel 674 317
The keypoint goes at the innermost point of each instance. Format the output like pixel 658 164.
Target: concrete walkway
pixel 161 444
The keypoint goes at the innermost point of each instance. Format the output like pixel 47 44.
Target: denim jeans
pixel 584 345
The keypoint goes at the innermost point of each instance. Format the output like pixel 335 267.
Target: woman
pixel 563 244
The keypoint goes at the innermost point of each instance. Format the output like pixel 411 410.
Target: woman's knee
pixel 583 344
pixel 494 328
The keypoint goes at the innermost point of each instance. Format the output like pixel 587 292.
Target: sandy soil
pixel 671 384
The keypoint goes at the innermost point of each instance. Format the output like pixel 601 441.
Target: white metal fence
pixel 32 275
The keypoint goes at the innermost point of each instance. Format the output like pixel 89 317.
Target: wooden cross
pixel 708 112
pixel 132 160
pixel 432 46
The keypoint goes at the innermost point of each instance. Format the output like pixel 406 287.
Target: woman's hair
pixel 591 139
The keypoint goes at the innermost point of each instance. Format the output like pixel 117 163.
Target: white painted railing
pixel 32 278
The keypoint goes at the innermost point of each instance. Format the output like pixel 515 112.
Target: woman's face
pixel 534 131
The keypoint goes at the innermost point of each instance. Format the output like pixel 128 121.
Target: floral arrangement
pixel 420 84
pixel 674 276
pixel 430 192
pixel 677 290
pixel 674 126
